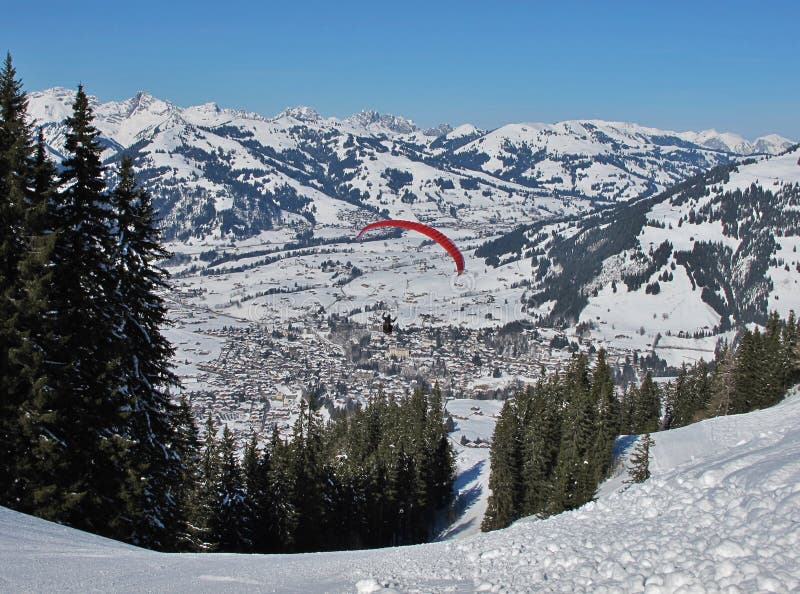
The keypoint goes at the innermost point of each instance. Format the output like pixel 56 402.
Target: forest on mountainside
pixel 553 441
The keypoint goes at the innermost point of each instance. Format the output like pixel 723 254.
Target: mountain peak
pixel 210 107
pixel 303 113
pixel 143 101
pixel 437 131
pixel 371 119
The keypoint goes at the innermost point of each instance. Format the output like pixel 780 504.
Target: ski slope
pixel 721 513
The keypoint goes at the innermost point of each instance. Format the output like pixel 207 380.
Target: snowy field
pixel 721 513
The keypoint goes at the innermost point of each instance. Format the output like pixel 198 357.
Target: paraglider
pixel 434 234
pixel 387 323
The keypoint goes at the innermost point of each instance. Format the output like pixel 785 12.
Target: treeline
pixel 552 442
pixel 755 374
pixel 377 476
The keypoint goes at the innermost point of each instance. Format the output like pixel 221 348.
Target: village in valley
pixel 252 376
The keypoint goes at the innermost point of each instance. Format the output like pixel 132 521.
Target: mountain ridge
pixel 772 143
pixel 223 172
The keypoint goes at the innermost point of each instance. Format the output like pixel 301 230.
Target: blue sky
pixel 733 65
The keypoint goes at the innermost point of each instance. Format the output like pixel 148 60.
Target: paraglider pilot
pixel 387 323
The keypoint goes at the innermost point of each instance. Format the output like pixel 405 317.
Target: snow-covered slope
pixel 720 513
pixel 677 268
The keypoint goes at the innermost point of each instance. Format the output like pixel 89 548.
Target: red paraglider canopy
pixel 435 235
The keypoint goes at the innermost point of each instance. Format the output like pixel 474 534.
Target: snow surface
pixel 474 420
pixel 721 513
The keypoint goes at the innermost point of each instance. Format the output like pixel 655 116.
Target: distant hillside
pixel 717 250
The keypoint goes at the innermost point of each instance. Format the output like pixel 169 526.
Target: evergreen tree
pixel 700 386
pixel 577 464
pixel 281 480
pixel 308 472
pixel 231 517
pixel 774 368
pixel 628 405
pixel 748 389
pixel 143 373
pixel 15 191
pixel 187 445
pixel 668 397
pixel 33 310
pixel 75 420
pixel 722 383
pixel 646 406
pixel 640 469
pixel 678 401
pixel 440 455
pixel 206 496
pixel 790 340
pixel 608 414
pixel 541 439
pixel 16 151
pixel 503 505
pixel 348 517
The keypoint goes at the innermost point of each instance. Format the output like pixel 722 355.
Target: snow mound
pixel 720 513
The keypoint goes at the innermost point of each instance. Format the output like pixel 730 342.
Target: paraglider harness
pixel 387 323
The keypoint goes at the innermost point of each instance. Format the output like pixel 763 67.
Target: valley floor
pixel 720 513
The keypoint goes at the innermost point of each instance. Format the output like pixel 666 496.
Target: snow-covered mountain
pixel 375 123
pixel 719 513
pixel 771 144
pixel 712 252
pixel 229 173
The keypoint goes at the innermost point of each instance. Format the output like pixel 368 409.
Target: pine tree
pixel 16 151
pixel 15 192
pixel 577 464
pixel 307 469
pixel 790 339
pixel 187 445
pixel 255 469
pixel 640 469
pixel 541 440
pixel 679 409
pixel 440 455
pixel 281 480
pixel 722 383
pixel 747 378
pixel 628 405
pixel 774 370
pixel 143 373
pixel 646 406
pixel 75 421
pixel 33 315
pixel 503 505
pixel 206 496
pixel 700 384
pixel 608 414
pixel 231 517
